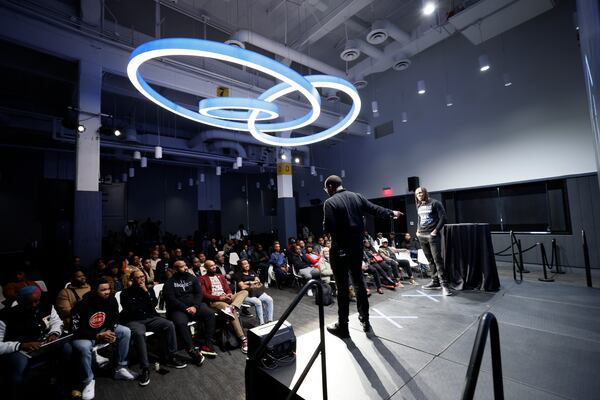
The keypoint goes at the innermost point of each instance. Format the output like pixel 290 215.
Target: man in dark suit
pixel 343 219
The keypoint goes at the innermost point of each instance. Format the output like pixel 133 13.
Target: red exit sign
pixel 387 192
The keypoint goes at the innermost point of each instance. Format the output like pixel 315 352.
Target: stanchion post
pixel 523 270
pixel 586 259
pixel 544 264
pixel 555 257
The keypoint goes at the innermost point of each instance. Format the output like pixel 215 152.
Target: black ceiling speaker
pixel 413 183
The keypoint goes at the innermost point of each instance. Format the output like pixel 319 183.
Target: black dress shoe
pixel 339 330
pixel 366 325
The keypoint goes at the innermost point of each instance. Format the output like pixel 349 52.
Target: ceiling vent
pixel 377 36
pixel 360 84
pixel 350 54
pixel 401 65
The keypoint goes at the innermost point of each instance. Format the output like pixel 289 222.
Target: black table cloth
pixel 469 257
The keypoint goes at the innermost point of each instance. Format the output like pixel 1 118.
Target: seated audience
pixel 24 328
pixel 224 269
pixel 212 249
pixel 220 297
pixel 283 274
pixel 388 274
pixel 260 263
pixel 247 280
pixel 95 320
pixel 113 277
pixel 312 256
pixel 164 268
pixel 70 295
pixel 184 302
pixel 19 281
pixel 139 315
pixel 325 266
pixel 390 257
pixel 149 272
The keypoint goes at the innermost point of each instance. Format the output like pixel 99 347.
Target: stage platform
pixel 421 344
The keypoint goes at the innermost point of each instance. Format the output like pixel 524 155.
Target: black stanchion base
pixel 546 279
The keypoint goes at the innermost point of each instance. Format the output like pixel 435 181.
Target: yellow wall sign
pixel 222 91
pixel 284 169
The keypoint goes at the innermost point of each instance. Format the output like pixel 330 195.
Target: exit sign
pixel 387 192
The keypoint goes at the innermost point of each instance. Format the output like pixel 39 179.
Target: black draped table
pixel 469 257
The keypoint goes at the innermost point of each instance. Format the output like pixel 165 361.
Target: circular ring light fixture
pixel 241 114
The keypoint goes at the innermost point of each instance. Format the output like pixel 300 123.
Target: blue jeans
pixel 264 307
pixel 83 350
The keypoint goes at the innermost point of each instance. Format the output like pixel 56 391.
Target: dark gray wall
pixel 584 208
pixel 247 207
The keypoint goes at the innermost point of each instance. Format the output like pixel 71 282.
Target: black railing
pixel 487 324
pixel 253 363
pixel 586 259
pixel 517 262
pixel 545 265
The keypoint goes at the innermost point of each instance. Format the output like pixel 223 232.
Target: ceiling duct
pixel 400 64
pixel 331 95
pixel 226 144
pixel 245 36
pixel 355 47
pixel 382 29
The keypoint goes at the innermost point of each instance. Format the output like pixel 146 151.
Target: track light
pixel 404 116
pixel 283 155
pixel 137 155
pixel 297 160
pixel 258 185
pixel 484 63
pixel 449 100
pixel 179 186
pixel 272 182
pixel 131 172
pixel 80 128
pixel 158 150
pixel 190 182
pixel 320 178
pixel 375 108
pixel 313 170
pixel 302 183
pixel 368 132
pixel 421 89
pixel 238 162
pixel 117 132
pixel 343 173
pixel 202 178
pixel 124 177
pixel 144 162
pixel 506 79
pixel 218 171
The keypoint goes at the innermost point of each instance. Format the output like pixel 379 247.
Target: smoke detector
pixel 401 65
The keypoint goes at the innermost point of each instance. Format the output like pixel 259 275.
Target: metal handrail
pixel 252 363
pixel 487 324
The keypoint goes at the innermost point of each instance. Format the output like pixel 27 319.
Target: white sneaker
pixel 88 392
pixel 310 293
pixel 100 360
pixel 266 285
pixel 125 374
pixel 446 291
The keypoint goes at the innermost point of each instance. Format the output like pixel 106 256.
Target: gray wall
pixel 537 128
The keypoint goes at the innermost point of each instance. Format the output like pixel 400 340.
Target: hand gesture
pixel 30 346
pixel 397 214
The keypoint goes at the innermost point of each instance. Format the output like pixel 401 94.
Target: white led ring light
pixel 224 112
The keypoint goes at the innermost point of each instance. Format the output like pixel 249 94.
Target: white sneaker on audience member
pixel 88 392
pixel 101 361
pixel 124 374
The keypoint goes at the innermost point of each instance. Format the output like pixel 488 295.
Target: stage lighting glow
pixel 241 114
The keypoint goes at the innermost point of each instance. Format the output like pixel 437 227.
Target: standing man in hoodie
pixel 183 298
pixel 95 320
pixel 432 218
pixel 343 219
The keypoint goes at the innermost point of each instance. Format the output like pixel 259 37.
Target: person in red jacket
pixel 219 296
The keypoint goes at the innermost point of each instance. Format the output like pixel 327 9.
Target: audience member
pixel 95 320
pixel 184 301
pixel 139 315
pixel 248 280
pixel 220 297
pixel 260 263
pixel 164 268
pixel 283 274
pixel 113 277
pixel 18 281
pixel 70 295
pixel 23 329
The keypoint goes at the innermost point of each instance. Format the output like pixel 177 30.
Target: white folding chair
pixel 118 298
pixel 233 259
pixel 158 292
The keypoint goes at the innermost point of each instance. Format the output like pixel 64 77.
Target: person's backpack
pixel 327 295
